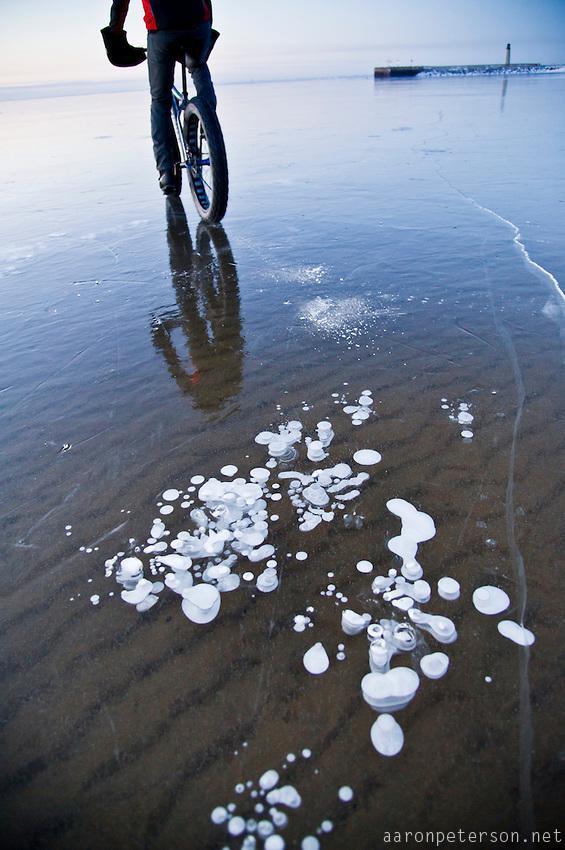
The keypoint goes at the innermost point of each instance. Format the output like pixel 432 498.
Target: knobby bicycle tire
pixel 211 201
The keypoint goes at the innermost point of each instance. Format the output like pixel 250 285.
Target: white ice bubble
pixel 301 556
pixel 310 842
pixel 236 825
pixel 364 566
pixel 386 735
pixel 442 628
pixel 515 632
pixel 178 563
pixel 352 623
pixel 171 495
pixel 390 691
pixel 260 474
pixel 95 599
pixel 201 603
pixel 274 842
pixel 345 794
pixel 448 588
pixel 467 435
pixel 490 600
pixel 166 510
pixel 268 780
pixel 248 576
pixel 316 660
pixel 367 457
pixel 197 479
pixel 219 815
pixel 229 470
pixel 142 589
pixel 131 567
pixel 435 665
pixel 465 418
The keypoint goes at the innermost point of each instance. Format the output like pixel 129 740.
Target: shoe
pixel 167 182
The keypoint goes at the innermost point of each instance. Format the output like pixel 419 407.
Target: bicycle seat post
pixel 184 81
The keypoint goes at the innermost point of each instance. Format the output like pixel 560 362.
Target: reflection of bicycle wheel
pixel 207 165
pixel 218 271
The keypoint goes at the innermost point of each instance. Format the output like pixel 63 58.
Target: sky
pixel 59 41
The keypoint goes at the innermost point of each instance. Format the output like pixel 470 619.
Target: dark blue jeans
pixel 163 47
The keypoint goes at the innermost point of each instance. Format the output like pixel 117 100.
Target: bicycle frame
pixel 180 101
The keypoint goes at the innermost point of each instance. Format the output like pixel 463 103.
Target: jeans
pixel 163 47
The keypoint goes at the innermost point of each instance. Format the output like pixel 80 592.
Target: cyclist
pixel 172 25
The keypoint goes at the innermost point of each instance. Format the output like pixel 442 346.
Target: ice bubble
pixel 201 603
pixel 268 780
pixel 179 581
pixel 286 796
pixel 448 588
pixel 248 576
pixel 345 794
pixel 157 529
pixel 260 474
pixel 316 451
pixel 95 599
pixel 316 659
pixel 379 656
pixel 310 842
pixel 236 825
pixel 390 691
pixel 467 435
pixel 435 665
pixel 386 735
pixel 219 815
pixel 142 589
pixel 166 510
pixel 412 570
pixel 364 566
pixel 352 623
pixel 301 556
pixel 265 828
pixel 229 470
pixel 265 437
pixel 465 418
pixel 515 632
pixel 274 842
pixel 131 567
pixel 316 495
pixel 367 457
pixel 442 628
pixel 178 563
pixel 171 495
pixel 261 553
pixel 490 600
pixel 228 583
pixel 267 581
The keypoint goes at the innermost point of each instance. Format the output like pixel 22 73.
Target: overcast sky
pixel 58 40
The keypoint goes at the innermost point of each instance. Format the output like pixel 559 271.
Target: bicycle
pixel 201 151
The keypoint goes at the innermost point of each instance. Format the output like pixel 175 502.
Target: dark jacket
pixel 164 14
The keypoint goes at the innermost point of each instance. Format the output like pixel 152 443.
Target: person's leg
pixel 200 40
pixel 161 63
pixel 202 80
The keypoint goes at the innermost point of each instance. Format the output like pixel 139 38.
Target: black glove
pixel 120 52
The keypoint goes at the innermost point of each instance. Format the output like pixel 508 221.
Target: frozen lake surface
pixel 402 239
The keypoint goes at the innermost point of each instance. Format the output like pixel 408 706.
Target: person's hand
pixel 119 51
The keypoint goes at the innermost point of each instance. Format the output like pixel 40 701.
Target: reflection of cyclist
pixel 207 294
pixel 171 24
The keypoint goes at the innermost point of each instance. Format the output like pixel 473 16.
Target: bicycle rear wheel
pixel 207 167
